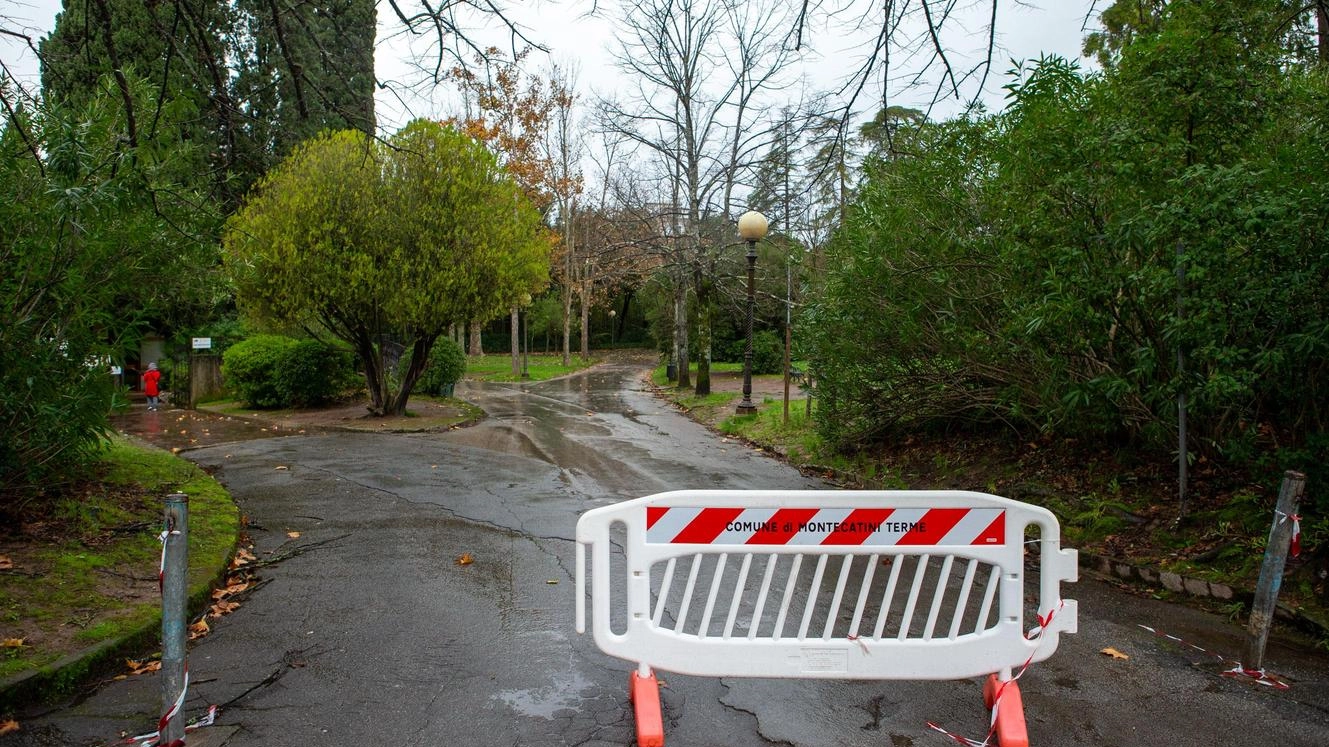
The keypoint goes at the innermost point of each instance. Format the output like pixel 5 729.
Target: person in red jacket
pixel 151 380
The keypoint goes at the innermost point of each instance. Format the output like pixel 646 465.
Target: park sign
pixel 202 343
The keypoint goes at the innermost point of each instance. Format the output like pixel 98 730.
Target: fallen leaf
pixel 12 643
pixel 199 629
pixel 293 535
pixel 142 667
pixel 552 581
pixel 175 449
pixel 229 590
pixel 222 608
pixel 1114 653
pixel 282 466
pixel 465 559
pixel 5 563
pixel 242 557
pixel 8 726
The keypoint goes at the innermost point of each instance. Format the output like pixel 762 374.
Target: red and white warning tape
pixel 1296 531
pixel 1034 633
pixel 1258 676
pixel 154 739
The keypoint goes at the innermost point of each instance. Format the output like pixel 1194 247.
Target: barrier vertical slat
pixel 863 590
pixel 962 603
pixel 716 577
pixel 738 595
pixel 834 612
pixel 938 596
pixel 994 578
pixel 813 594
pixel 771 562
pixel 908 617
pixel 887 598
pixel 788 597
pixel 687 593
pixel 581 588
pixel 664 592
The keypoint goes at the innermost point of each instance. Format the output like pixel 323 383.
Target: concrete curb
pixel 1199 588
pixel 63 677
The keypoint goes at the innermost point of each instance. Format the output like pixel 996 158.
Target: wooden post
pixel 1271 571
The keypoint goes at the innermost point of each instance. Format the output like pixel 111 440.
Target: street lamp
pixel 613 328
pixel 751 228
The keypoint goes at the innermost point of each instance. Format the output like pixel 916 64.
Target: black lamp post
pixel 751 228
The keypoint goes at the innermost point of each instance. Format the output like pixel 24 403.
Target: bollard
pixel 1271 570
pixel 175 592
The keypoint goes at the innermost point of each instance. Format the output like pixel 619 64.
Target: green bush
pixel 447 363
pixel 252 368
pixel 311 373
pixel 54 410
pixel 272 371
pixel 767 353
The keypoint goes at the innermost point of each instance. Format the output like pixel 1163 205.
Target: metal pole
pixel 746 407
pixel 1271 571
pixel 788 318
pixel 175 592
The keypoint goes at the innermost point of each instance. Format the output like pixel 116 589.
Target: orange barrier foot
pixel 1009 726
pixel 644 692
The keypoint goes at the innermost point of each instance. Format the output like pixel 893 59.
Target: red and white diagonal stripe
pixel 878 527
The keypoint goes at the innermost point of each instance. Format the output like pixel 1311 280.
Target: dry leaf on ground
pixel 222 608
pixel 143 667
pixel 293 535
pixel 230 589
pixel 5 563
pixel 7 726
pixel 465 559
pixel 12 643
pixel 1109 651
pixel 242 557
pixel 199 629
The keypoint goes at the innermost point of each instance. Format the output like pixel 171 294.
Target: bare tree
pixel 700 68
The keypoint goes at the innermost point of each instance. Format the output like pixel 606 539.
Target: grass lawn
pixel 540 366
pixel 84 571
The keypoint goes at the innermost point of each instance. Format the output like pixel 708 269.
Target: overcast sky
pixel 573 36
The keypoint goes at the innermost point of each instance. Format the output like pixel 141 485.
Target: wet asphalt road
pixel 373 633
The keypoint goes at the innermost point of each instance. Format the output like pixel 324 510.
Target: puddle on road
pixel 177 429
pixel 547 702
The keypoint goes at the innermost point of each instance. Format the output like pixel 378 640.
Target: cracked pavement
pixel 379 634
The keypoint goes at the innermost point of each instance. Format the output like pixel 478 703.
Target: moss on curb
pixel 214 526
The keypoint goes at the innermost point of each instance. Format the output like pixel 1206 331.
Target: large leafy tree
pixel 179 46
pixel 369 240
pixel 300 68
pixel 1109 242
pixel 100 235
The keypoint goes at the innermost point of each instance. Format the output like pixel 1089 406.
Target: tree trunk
pixel 1322 24
pixel 704 321
pixel 585 325
pixel 567 326
pixel 681 333
pixel 375 379
pixel 419 359
pixel 516 341
pixel 477 348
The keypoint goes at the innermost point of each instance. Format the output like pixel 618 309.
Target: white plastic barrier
pixel 921 585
